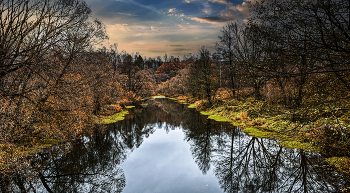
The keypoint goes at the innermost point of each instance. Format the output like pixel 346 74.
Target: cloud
pixel 182 27
pixel 172 10
pixel 219 1
pixel 181 49
pixel 207 11
pixel 176 13
pixel 185 25
pixel 155 29
pixel 176 45
pixel 122 26
pixel 207 8
pixel 211 20
pixel 236 12
pixel 244 7
pixel 129 12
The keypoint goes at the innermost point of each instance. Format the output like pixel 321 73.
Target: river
pixel 166 147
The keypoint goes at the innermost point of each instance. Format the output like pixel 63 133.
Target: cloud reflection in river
pixel 164 164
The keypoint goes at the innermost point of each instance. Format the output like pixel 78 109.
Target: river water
pixel 166 147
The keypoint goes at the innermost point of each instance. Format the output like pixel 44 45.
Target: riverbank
pixel 325 134
pixel 11 153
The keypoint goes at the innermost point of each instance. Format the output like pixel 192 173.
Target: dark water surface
pixel 166 147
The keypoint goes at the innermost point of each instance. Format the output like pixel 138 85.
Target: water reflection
pixel 248 164
pixel 89 166
pixel 240 163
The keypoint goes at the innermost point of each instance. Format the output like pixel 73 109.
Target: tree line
pixel 293 53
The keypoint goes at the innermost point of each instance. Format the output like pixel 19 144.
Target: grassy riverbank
pixel 326 134
pixel 11 152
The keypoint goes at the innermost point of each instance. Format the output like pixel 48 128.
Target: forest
pixel 277 75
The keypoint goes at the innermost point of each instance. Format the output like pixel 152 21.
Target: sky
pixel 176 27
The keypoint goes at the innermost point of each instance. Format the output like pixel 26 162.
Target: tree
pixel 242 57
pixel 40 44
pixel 170 68
pixel 225 48
pixel 31 29
pixel 306 48
pixel 138 61
pixel 176 85
pixel 165 57
pixel 145 83
pixel 129 68
pixel 202 79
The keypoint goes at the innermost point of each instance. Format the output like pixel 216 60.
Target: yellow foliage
pixel 243 116
pixel 258 122
pixel 341 163
pixel 182 98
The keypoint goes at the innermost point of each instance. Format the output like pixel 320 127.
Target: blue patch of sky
pixel 159 3
pixel 189 9
pixel 155 10
pixel 128 12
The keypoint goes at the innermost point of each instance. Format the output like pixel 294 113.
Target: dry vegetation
pixel 53 83
pixel 280 75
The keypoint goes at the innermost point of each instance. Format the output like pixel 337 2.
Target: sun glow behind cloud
pixel 153 27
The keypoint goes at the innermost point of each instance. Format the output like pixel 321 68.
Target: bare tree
pixel 40 43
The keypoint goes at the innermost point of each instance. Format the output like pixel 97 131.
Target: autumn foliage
pixel 52 82
pixel 171 67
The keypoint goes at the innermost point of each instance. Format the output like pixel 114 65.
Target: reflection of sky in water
pixel 168 148
pixel 163 163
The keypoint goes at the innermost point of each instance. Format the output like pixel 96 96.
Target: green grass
pixel 298 145
pixel 335 160
pixel 219 118
pixel 160 96
pixel 342 164
pixel 10 152
pixel 252 131
pixel 192 106
pixel 205 113
pixel 114 118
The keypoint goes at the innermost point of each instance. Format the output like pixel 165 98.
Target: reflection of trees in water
pixel 201 145
pixel 91 164
pixel 248 164
pixel 198 130
pixel 240 162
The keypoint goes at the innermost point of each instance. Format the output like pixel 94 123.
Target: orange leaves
pixel 72 77
pixel 243 116
pixel 169 67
